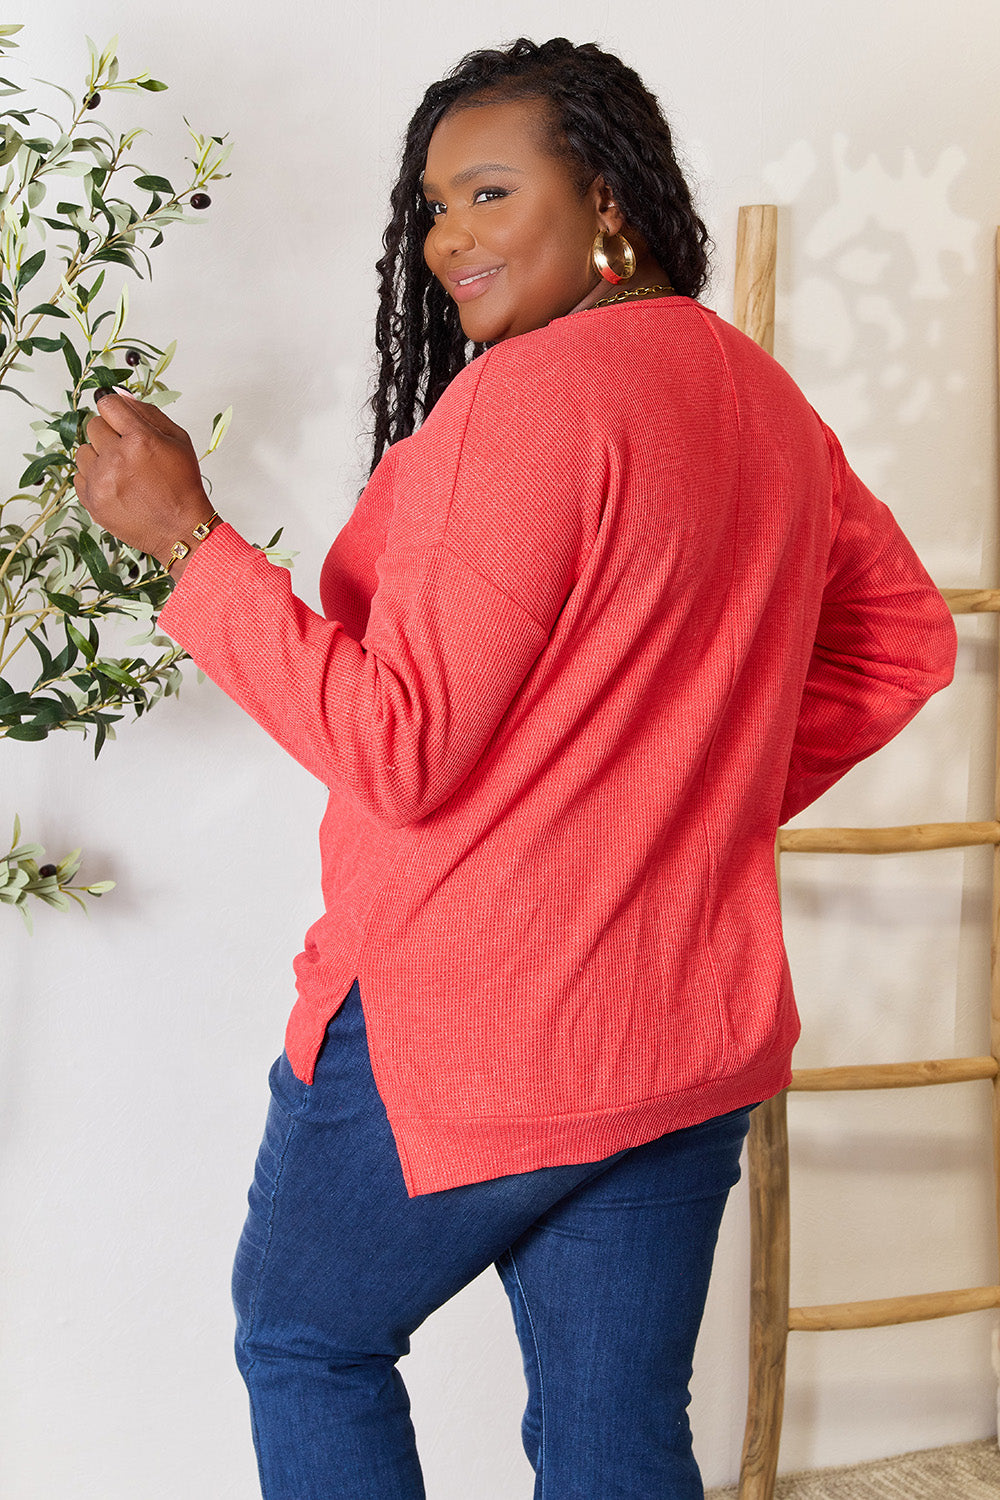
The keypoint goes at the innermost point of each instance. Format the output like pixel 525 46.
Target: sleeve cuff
pixel 213 572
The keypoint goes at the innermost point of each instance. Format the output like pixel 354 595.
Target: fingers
pixel 126 414
pixel 99 434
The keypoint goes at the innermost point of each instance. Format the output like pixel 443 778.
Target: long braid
pixel 604 121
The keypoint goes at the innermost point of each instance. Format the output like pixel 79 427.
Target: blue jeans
pixel 606 1266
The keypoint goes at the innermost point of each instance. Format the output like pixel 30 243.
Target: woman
pixel 608 613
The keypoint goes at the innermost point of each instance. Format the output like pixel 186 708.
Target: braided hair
pixel 602 121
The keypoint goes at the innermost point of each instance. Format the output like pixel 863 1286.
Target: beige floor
pixel 970 1471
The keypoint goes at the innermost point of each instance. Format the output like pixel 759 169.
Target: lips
pixel 468 282
pixel 469 274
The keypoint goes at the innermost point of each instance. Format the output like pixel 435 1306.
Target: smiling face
pixel 512 232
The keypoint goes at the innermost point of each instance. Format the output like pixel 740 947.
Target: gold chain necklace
pixel 642 291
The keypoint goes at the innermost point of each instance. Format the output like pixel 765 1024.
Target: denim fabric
pixel 606 1266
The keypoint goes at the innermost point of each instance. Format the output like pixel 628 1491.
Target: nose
pixel 452 234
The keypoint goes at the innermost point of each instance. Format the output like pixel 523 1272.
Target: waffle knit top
pixel 616 609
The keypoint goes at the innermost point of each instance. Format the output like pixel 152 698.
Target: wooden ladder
pixel 771 1317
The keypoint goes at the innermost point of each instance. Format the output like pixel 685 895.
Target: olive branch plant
pixel 74 205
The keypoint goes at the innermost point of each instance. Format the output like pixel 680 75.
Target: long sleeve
pixel 472 577
pixel 885 643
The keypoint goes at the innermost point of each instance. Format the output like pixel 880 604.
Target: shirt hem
pixel 445 1152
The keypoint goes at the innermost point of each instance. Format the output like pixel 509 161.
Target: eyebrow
pixel 470 172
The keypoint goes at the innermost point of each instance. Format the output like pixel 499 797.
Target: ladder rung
pixel 887 1310
pixel 907 1075
pixel 910 838
pixel 972 601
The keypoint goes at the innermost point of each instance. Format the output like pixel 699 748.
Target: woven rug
pixel 969 1471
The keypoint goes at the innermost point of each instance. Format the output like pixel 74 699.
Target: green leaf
pixel 97 563
pixel 26 732
pixel 53 898
pixel 64 602
pixel 104 731
pixel 12 705
pixel 117 256
pixel 12 143
pixel 50 346
pixel 219 429
pixel 165 359
pixel 121 314
pixel 62 664
pixel 69 429
pixel 80 641
pixel 72 360
pixel 155 185
pixel 43 652
pixel 50 714
pixel 106 377
pixel 86 295
pixel 69 708
pixel 118 674
pixel 101 207
pixel 49 310
pixel 153 85
pixel 11 391
pixel 31 266
pixel 26 856
pixel 69 864
pixel 38 468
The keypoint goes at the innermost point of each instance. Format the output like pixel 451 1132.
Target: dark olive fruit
pixel 46 870
pixel 200 200
pixel 133 357
pixel 93 101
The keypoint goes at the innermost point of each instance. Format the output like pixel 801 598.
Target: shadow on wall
pixel 885 316
pixel 877 253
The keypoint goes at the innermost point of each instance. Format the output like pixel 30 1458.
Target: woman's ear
pixel 612 220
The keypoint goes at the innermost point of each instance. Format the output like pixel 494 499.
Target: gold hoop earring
pixel 603 266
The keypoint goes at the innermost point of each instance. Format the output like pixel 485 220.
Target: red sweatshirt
pixel 614 611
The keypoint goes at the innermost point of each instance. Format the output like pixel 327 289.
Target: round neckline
pixel 675 299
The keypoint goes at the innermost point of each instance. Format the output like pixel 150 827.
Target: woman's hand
pixel 137 475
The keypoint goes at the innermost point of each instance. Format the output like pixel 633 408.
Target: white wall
pixel 134 1047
